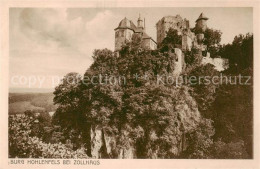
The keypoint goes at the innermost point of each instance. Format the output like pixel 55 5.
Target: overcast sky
pixel 55 41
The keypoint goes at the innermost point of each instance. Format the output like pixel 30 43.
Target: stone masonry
pixel 127 28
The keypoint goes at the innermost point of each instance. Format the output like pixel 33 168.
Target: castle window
pixel 117 34
pixel 122 33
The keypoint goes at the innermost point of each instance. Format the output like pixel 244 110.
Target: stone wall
pixel 121 36
pixel 187 40
pixel 149 43
pixel 219 63
pixel 178 62
pixel 167 22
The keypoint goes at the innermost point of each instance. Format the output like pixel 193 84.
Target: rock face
pixel 219 63
pixel 96 142
pixel 172 141
pixel 104 146
pixel 179 61
pixel 127 153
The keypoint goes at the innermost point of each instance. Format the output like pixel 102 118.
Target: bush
pixel 232 150
pixel 23 145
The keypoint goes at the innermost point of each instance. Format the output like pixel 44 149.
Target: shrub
pixel 23 145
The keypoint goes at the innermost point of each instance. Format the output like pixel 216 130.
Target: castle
pixel 126 29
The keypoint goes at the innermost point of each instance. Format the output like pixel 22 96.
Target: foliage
pixel 239 53
pixel 192 58
pixel 172 40
pixel 212 39
pixel 163 115
pixel 232 150
pixel 69 114
pixel 203 88
pixel 200 141
pixel 139 113
pixel 233 107
pixel 23 145
pixel 67 98
pixel 42 120
pixel 233 112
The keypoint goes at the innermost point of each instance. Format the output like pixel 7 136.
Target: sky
pixel 47 43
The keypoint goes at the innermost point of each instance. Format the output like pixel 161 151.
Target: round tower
pixel 123 33
pixel 201 23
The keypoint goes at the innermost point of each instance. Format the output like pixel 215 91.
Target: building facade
pixel 126 29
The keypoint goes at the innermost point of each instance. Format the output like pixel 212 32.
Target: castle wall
pixel 121 36
pixel 186 42
pixel 153 45
pixel 149 43
pixel 189 39
pixel 161 33
pixel 219 63
pixel 178 64
pixel 175 22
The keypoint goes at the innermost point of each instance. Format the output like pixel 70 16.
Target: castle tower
pixel 201 23
pixel 123 33
pixel 140 23
pixel 167 22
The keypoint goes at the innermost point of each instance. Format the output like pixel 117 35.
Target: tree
pixel 23 145
pixel 69 114
pixel 203 88
pixel 200 141
pixel 212 39
pixel 233 113
pixel 192 58
pixel 149 119
pixel 232 150
pixel 239 53
pixel 173 39
pixel 139 113
pixel 67 96
pixel 43 120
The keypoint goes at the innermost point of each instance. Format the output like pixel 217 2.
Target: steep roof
pixel 202 16
pixel 146 36
pixel 126 24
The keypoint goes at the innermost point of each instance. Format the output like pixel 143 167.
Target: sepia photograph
pixel 131 83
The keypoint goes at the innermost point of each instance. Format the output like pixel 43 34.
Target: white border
pixel 124 163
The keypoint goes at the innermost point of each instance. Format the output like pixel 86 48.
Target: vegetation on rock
pixel 124 113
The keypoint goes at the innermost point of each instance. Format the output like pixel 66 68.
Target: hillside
pixel 20 102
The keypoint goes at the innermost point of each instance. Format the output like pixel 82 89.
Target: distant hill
pixel 20 102
pixel 31 90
